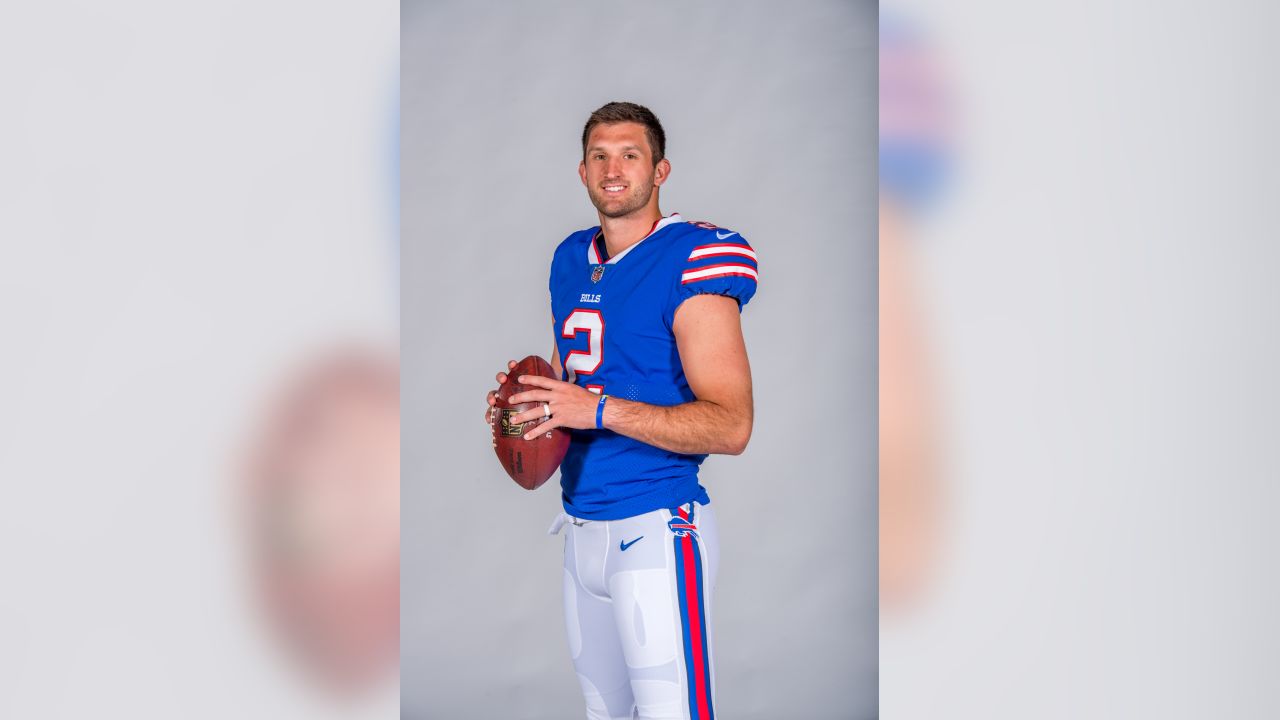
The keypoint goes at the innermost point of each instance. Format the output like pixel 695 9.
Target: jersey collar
pixel 594 258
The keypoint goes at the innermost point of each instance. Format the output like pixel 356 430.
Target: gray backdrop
pixel 771 123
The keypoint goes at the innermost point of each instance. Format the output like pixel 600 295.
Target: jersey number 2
pixel 585 363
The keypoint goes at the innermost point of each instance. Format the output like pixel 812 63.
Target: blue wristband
pixel 600 412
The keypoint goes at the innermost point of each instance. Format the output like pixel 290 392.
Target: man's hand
pixel 570 406
pixel 492 397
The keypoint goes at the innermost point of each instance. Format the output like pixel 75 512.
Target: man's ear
pixel 660 172
pixel 582 171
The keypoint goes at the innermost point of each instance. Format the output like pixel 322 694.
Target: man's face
pixel 618 169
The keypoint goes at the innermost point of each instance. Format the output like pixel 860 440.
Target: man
pixel 646 320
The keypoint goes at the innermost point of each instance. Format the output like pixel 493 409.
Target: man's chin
pixel 616 210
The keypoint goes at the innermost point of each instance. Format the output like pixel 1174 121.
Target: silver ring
pixel 546 410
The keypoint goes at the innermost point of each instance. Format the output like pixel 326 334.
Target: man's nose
pixel 613 167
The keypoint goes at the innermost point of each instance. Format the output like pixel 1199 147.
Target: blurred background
pixel 200 393
pixel 1078 470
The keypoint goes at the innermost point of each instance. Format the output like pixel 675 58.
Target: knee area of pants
pixel 614 702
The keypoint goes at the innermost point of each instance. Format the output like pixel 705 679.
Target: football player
pixel 648 343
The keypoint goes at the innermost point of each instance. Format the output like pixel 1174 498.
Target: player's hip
pixel 665 540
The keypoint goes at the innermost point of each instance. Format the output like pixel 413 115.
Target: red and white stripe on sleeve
pixel 726 260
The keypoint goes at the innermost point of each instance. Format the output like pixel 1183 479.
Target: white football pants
pixel 637 606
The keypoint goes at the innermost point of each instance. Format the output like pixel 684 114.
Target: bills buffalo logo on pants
pixel 682 527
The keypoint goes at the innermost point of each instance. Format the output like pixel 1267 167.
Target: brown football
pixel 529 462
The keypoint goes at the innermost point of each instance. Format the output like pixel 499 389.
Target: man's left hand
pixel 570 406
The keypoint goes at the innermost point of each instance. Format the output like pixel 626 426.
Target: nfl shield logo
pixel 597 274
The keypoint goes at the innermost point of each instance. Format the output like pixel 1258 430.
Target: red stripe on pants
pixel 695 626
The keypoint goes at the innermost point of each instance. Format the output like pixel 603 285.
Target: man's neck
pixel 622 232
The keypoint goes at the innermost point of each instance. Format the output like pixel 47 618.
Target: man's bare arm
pixel 709 337
pixel 708 333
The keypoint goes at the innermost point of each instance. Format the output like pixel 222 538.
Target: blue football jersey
pixel 612 322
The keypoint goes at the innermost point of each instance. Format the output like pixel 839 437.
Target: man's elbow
pixel 736 441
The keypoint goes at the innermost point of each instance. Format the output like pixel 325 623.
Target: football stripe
pixel 722 249
pixel 683 597
pixel 692 621
pixel 694 617
pixel 715 271
pixel 720 275
pixel 704 684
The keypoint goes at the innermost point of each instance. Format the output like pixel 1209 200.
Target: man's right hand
pixel 491 397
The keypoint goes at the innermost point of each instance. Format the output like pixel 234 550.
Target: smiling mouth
pixel 614 189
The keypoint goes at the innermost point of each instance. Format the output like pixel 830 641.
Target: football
pixel 529 462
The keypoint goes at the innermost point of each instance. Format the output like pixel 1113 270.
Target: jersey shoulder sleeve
pixel 570 254
pixel 712 260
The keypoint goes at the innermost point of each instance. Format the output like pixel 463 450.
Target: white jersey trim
pixel 719 249
pixel 591 246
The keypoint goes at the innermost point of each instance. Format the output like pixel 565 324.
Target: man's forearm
pixel 695 428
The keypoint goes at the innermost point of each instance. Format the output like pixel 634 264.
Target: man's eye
pixel 597 157
pixel 630 156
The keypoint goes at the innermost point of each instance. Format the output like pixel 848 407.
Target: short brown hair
pixel 620 112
